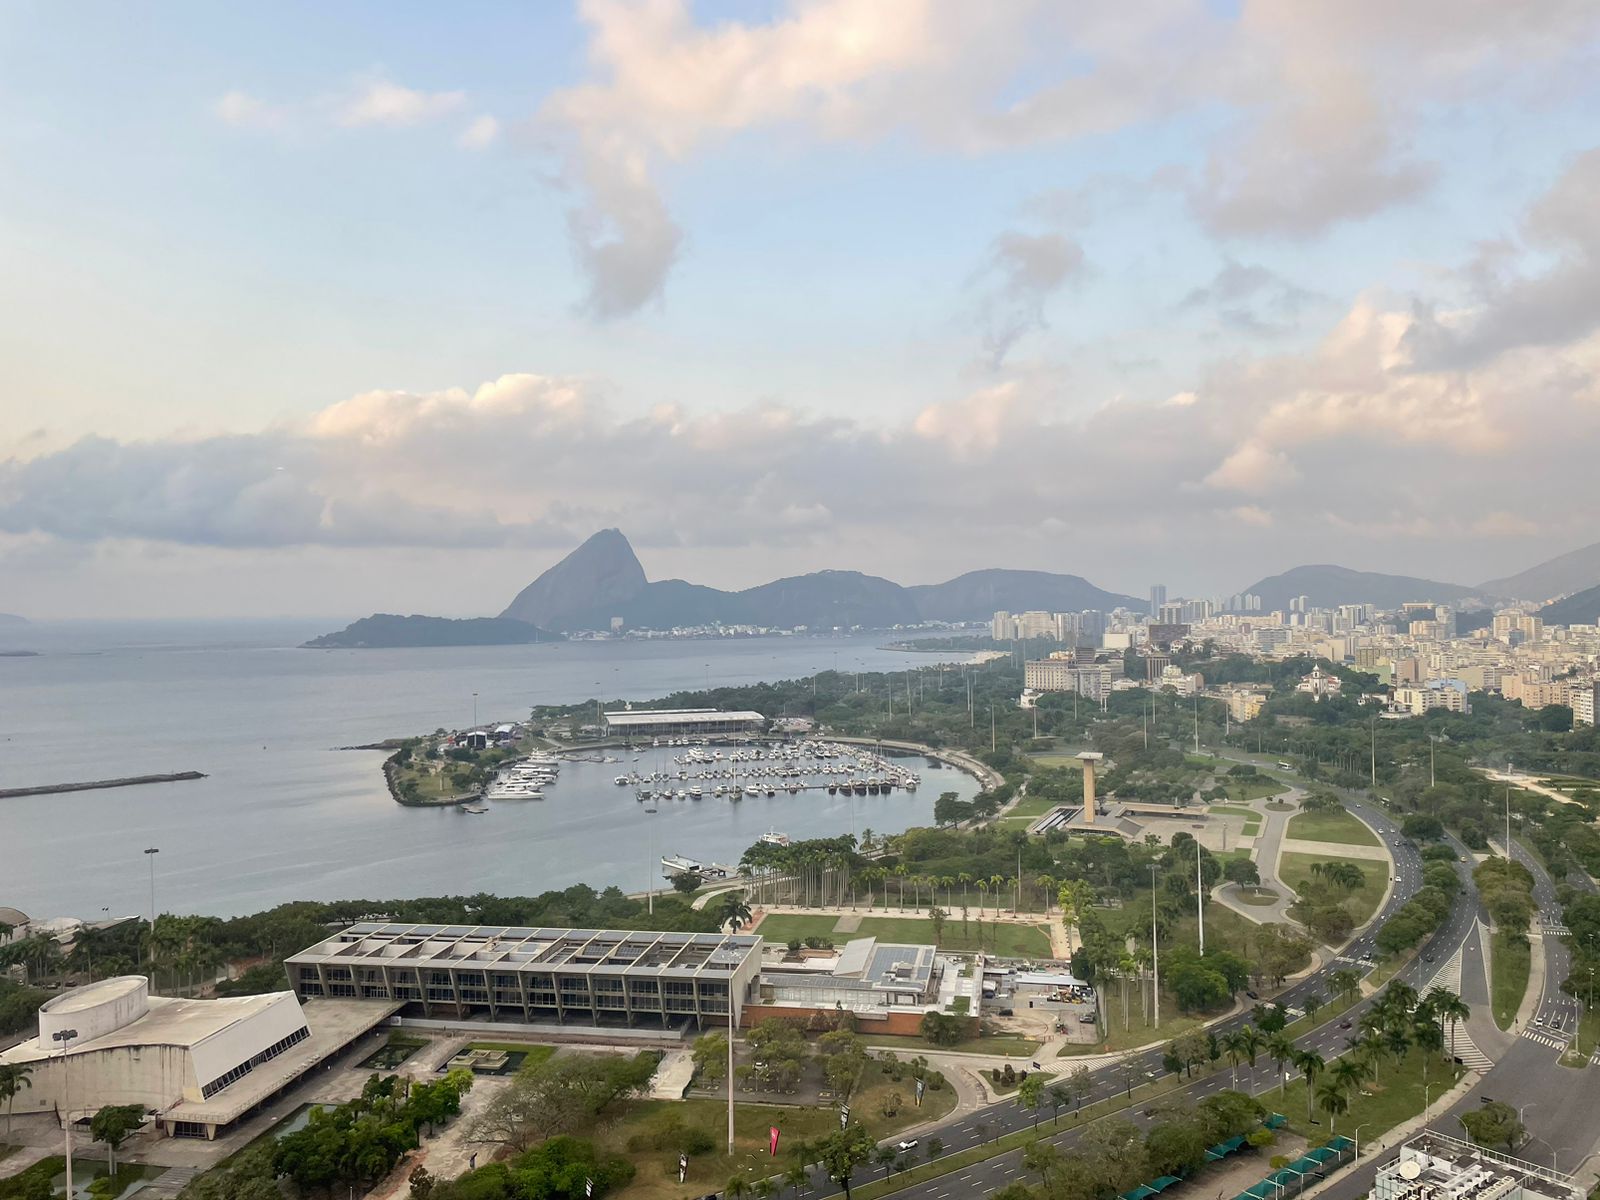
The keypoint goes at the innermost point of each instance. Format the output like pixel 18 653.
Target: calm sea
pixel 284 815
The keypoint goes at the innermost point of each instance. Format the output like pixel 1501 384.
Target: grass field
pixel 1376 1107
pixel 1256 788
pixel 657 1177
pixel 1136 1031
pixel 1295 870
pixel 1009 940
pixel 1029 809
pixel 1001 1043
pixel 1338 826
pixel 781 927
pixel 1508 977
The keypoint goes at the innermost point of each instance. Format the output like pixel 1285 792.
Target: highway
pixel 964 1130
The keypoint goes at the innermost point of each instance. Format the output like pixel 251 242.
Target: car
pixel 1429 957
pixel 1251 994
pixel 908 1144
pixel 1539 1020
pixel 1397 879
pixel 1007 1012
pixel 1087 1019
pixel 1345 1024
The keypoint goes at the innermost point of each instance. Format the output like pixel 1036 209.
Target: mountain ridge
pixel 1580 608
pixel 392 631
pixel 1328 585
pixel 1574 571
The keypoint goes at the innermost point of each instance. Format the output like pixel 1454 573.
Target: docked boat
pixel 475 809
pixel 774 838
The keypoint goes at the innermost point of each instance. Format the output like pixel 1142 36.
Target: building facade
pixel 490 974
pixel 682 722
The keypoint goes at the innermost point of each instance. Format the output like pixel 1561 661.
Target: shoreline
pixel 92 785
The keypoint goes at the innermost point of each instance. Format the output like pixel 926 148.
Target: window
pixel 221 1081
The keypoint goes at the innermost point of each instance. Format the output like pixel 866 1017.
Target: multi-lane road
pixel 964 1130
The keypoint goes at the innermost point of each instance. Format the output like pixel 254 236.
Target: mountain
pixel 978 595
pixel 602 580
pixel 386 630
pixel 1328 586
pixel 1580 608
pixel 12 621
pixel 602 573
pixel 1570 572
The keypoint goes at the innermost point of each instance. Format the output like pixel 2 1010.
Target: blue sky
pixel 1105 292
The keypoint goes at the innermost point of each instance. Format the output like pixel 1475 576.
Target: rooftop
pixel 168 1021
pixel 678 716
pixel 510 948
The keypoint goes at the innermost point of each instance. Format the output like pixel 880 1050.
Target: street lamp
pixel 65 1038
pixel 1155 950
pixel 650 861
pixel 1359 1128
pixel 150 853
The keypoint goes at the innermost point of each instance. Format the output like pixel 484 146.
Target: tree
pixel 736 1188
pixel 113 1125
pixel 1242 871
pixel 711 1057
pixel 1030 1094
pixel 942 1029
pixel 1309 1063
pixel 1495 1124
pixel 796 1176
pixel 1332 1100
pixel 1281 1048
pixel 13 1078
pixel 885 1156
pixel 1346 982
pixel 1312 1003
pixel 1447 1006
pixel 841 1152
pixel 1043 1157
pixel 686 883
pixel 733 910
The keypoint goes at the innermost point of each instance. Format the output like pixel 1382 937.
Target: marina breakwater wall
pixel 52 789
pixel 959 759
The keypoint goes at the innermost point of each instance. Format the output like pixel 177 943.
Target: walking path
pixel 1268 846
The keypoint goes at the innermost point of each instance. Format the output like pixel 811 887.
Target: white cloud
pixel 482 133
pixel 244 111
pixel 381 102
pixel 1020 275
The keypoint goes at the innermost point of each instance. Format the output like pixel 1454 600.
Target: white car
pixel 1397 879
pixel 908 1144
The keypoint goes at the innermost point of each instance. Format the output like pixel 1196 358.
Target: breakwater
pixel 51 789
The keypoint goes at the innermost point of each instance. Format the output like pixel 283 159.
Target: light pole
pixel 1357 1152
pixel 1508 810
pixel 1200 897
pixel 1155 949
pixel 732 981
pixel 150 853
pixel 65 1037
pixel 474 710
pixel 650 861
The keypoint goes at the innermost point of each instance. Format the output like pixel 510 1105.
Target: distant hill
pixel 1580 608
pixel 978 595
pixel 1327 586
pixel 12 621
pixel 602 579
pixel 603 572
pixel 1571 572
pixel 388 631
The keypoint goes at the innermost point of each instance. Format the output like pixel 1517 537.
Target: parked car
pixel 1008 1012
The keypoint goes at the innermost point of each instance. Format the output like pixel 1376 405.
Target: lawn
pixel 657 1177
pixel 1001 1043
pixel 1006 940
pixel 1295 869
pixel 1030 808
pixel 1335 826
pixel 1253 788
pixel 1508 977
pixel 784 927
pixel 1136 1031
pixel 1377 1107
pixel 1583 1045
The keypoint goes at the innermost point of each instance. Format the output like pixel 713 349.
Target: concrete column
pixel 1089 758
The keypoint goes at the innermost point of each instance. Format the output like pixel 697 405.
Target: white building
pixel 197 1065
pixel 1434 1166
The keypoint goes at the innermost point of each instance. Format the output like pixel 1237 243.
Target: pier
pixel 51 789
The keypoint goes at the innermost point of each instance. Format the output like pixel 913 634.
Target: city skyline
pixel 310 314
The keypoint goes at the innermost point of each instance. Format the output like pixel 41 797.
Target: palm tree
pixel 13 1078
pixel 1281 1047
pixel 965 880
pixel 1046 884
pixel 1348 1072
pixel 996 881
pixel 1372 1047
pixel 1346 982
pixel 1447 1006
pixel 1332 1100
pixel 1233 1046
pixel 734 910
pixel 1309 1063
pixel 1250 1042
pixel 983 893
pixel 796 1176
pixel 736 1188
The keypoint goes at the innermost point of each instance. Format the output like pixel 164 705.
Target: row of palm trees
pixel 1399 1022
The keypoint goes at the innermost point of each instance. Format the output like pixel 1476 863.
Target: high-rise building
pixel 1001 627
pixel 1158 597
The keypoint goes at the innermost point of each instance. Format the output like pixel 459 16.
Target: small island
pixel 389 631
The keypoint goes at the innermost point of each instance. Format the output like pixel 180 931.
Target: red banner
pixel 772 1137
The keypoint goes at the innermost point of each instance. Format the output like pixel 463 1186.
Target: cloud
pixel 381 102
pixel 244 111
pixel 1021 273
pixel 482 133
pixel 1249 298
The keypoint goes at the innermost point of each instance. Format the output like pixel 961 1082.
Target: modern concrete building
pixel 681 722
pixel 1434 1166
pixel 492 974
pixel 887 986
pixel 197 1065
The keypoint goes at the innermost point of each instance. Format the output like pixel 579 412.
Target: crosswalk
pixel 1545 1038
pixel 1554 929
pixel 1449 977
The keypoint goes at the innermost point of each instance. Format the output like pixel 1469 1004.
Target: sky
pixel 314 309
